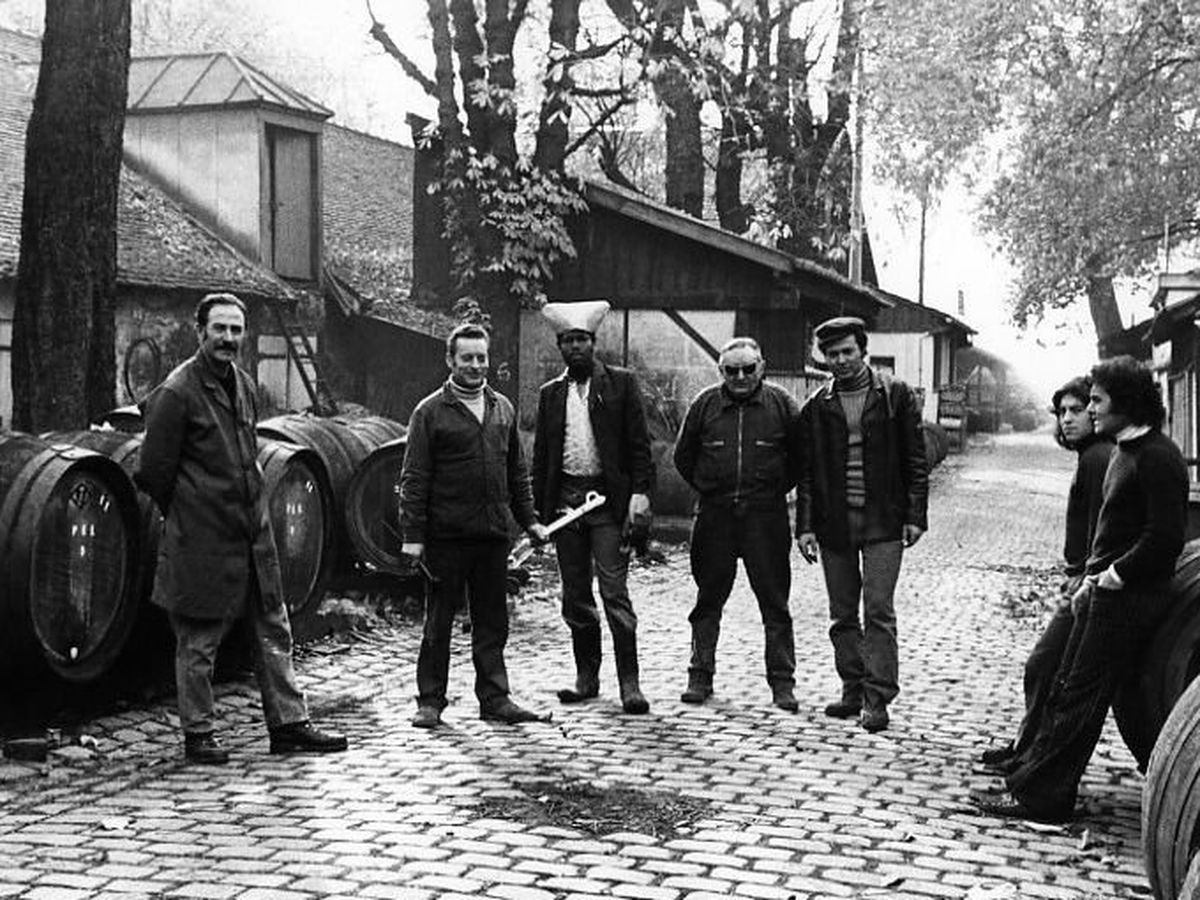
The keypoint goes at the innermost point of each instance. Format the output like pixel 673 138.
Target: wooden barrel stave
pixel 373 505
pixel 1171 798
pixel 69 550
pixel 342 444
pixel 299 498
pixel 1170 662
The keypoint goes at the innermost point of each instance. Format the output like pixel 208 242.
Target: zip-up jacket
pixel 740 452
pixel 894 468
pixel 462 477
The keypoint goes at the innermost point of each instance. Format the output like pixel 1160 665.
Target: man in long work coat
pixel 591 436
pixel 216 558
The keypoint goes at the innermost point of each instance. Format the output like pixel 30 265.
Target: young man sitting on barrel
pixel 217 560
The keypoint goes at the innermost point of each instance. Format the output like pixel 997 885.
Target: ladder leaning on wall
pixel 301 353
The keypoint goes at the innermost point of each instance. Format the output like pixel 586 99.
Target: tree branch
pixel 379 33
pixel 596 126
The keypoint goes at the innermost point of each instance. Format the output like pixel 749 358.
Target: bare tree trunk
pixel 64 332
pixel 1102 299
pixel 556 108
pixel 731 211
pixel 685 161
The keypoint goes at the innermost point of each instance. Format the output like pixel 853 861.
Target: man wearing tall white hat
pixel 591 436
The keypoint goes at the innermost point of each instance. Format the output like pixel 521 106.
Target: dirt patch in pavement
pixel 1032 591
pixel 598 811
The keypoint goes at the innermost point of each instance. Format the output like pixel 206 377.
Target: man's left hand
pixel 912 534
pixel 538 533
pixel 639 509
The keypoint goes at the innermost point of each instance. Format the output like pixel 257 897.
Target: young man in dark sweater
pixel 1073 431
pixel 1123 596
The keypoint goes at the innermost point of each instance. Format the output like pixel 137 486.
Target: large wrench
pixel 524 548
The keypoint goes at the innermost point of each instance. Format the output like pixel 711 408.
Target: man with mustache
pixel 216 558
pixel 591 435
pixel 860 501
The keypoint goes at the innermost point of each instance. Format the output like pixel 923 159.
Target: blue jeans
pixel 866 654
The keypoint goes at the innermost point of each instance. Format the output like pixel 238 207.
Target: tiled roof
pixel 367 219
pixel 158 243
pixel 208 80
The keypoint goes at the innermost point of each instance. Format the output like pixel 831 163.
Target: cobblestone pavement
pixel 793 806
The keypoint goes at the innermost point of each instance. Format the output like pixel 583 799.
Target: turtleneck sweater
pixel 471 398
pixel 852 394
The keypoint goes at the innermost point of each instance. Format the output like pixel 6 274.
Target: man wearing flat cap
pixel 591 436
pixel 860 500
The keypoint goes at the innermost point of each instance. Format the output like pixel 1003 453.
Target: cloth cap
pixel 837 328
pixel 579 316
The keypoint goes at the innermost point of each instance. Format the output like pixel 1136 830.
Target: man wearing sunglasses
pixel 860 501
pixel 734 449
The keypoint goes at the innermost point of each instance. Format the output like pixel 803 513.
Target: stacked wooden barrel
pixel 70 542
pixel 1171 803
pixel 373 508
pixel 1170 663
pixel 343 445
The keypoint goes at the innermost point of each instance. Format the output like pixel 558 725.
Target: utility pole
pixel 921 248
pixel 856 167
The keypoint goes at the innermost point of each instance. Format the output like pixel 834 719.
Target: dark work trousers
pixel 587 545
pixel 196 644
pixel 479 566
pixel 762 539
pixel 1107 638
pixel 1042 666
pixel 865 654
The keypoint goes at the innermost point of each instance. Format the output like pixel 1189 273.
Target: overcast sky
pixel 324 49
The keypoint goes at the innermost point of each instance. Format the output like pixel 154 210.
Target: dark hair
pixel 1132 389
pixel 468 330
pixel 1081 389
pixel 208 301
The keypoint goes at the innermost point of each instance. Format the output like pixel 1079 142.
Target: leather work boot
pixel 427 717
pixel 509 713
pixel 874 720
pixel 632 699
pixel 783 697
pixel 301 737
pixel 583 690
pixel 204 748
pixel 843 709
pixel 699 688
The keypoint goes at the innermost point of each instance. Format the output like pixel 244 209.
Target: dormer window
pixel 291 213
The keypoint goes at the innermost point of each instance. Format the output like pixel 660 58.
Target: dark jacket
pixel 1144 514
pixel 740 452
pixel 1083 501
pixel 199 461
pixel 894 466
pixel 622 439
pixel 461 477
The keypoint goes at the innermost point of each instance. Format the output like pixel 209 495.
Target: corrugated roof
pixel 210 80
pixel 158 243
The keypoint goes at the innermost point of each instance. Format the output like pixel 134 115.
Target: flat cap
pixel 582 315
pixel 837 328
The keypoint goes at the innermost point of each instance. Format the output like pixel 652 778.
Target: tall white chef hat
pixel 581 315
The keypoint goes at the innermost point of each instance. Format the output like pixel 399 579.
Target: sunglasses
pixel 735 371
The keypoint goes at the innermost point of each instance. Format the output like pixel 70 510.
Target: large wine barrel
pixel 1171 799
pixel 298 492
pixel 69 543
pixel 1168 666
pixel 373 507
pixel 342 444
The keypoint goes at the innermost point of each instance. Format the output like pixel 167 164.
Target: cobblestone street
pixel 792 806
